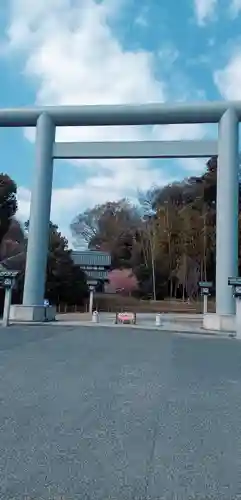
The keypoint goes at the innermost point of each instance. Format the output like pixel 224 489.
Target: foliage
pixel 14 241
pixel 168 239
pixel 161 246
pixel 108 227
pixel 65 282
pixel 8 203
pixel 122 281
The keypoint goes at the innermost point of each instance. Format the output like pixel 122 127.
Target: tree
pixel 123 281
pixel 15 232
pixel 149 227
pixel 8 203
pixel 109 227
pixel 14 241
pixel 168 240
pixel 192 205
pixel 65 282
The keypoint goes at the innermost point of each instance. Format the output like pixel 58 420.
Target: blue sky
pixel 111 52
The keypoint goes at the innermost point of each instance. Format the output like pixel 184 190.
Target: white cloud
pixel 204 10
pixel 73 57
pixel 168 55
pixel 178 132
pixel 68 202
pixel 23 196
pixel 228 79
pixel 211 42
pixel 235 7
pixel 142 17
pixel 65 203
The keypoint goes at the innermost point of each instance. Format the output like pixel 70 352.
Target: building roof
pixel 91 258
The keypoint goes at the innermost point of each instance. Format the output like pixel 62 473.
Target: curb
pixel 198 332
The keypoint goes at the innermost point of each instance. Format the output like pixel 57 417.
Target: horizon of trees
pixel 65 282
pixel 162 246
pixel 168 239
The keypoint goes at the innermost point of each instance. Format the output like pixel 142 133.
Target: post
pixel 38 239
pixel 238 318
pixel 158 319
pixel 91 300
pixel 153 278
pixel 205 304
pixel 227 211
pixel 95 317
pixel 7 304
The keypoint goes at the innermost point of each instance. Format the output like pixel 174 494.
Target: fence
pixel 113 303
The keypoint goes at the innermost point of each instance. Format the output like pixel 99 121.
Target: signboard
pixel 46 303
pixel 238 290
pixel 205 284
pixel 93 268
pixel 126 317
pixel 92 282
pixel 8 274
pixel 7 278
pixel 234 281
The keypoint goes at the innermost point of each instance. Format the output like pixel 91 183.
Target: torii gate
pixel 46 119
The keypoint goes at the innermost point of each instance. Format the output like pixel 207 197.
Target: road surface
pixel 118 414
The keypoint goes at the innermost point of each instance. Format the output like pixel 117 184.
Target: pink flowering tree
pixel 122 281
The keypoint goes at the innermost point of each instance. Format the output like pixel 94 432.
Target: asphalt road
pixel 118 414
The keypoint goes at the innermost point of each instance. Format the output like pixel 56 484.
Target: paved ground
pixel 118 414
pixel 185 323
pixel 142 318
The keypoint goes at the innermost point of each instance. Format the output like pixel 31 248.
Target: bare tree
pixel 149 226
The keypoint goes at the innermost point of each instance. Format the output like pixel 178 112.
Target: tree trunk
pixel 153 267
pixel 205 247
pixel 171 288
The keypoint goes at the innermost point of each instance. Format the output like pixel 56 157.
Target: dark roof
pixel 91 258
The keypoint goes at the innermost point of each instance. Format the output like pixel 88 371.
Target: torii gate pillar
pixel 227 212
pixel 38 240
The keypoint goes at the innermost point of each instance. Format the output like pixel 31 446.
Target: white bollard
pixel 95 317
pixel 158 319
